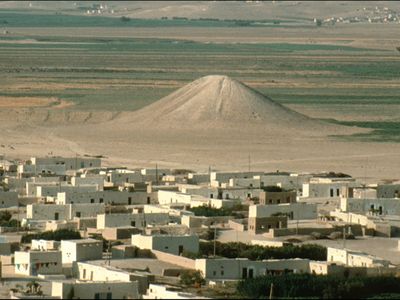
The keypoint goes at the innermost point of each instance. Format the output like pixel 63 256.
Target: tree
pixel 57 235
pixel 125 19
pixel 192 277
pixel 33 287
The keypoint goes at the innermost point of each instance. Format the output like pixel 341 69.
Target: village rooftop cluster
pixel 71 227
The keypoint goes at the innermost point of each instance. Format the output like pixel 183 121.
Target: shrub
pixel 208 211
pixel 57 235
pixel 125 19
pixel 192 277
pixel 318 286
pixel 272 188
pixel 256 252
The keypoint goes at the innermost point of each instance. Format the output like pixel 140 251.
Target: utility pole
pixel 17 216
pixel 215 239
pixel 271 291
pixel 109 252
pixel 344 237
pixel 156 174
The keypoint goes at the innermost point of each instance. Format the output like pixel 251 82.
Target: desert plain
pixel 326 98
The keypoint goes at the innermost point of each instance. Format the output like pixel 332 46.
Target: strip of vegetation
pixel 208 211
pixel 17 19
pixel 57 235
pixel 320 286
pixel 255 252
pixel 383 131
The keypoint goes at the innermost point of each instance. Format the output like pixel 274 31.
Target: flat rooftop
pixel 155 266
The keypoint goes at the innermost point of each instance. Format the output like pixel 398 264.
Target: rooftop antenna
pixel 156 174
pixel 344 237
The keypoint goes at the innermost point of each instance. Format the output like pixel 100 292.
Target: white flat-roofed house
pixel 380 206
pixel 242 268
pixel 171 197
pixel 44 245
pixel 295 211
pixel 27 170
pixel 107 197
pixel 70 163
pixel 52 190
pixel 62 212
pixel 197 178
pixel 354 258
pixel 81 250
pixel 33 263
pixel 327 187
pixel 388 191
pixel 173 244
pixel 95 289
pixel 158 291
pixel 122 176
pixel 224 177
pixel 138 220
pixel 85 179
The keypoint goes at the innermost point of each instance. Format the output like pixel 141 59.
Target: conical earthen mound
pixel 220 102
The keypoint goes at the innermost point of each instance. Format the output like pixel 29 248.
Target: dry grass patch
pixel 26 102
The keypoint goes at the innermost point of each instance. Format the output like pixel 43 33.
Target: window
pixel 84 274
pixel 214 273
pixel 78 214
pixel 101 200
pixel 331 192
pixel 337 192
pixel 212 196
pixel 222 272
pixel 279 201
pixel 91 200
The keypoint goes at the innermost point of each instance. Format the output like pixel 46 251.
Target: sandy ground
pixel 229 150
pixel 374 36
pixel 131 145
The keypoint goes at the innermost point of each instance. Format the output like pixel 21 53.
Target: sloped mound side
pixel 217 101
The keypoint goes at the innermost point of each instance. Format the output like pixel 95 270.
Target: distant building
pixel 173 244
pixel 81 250
pixel 33 263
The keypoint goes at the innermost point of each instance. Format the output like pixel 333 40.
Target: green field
pixel 122 73
pixel 23 18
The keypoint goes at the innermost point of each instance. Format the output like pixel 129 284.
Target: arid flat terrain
pixel 75 84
